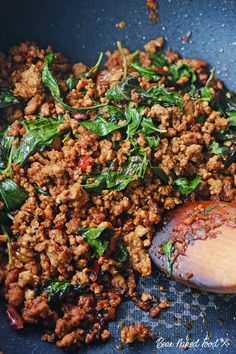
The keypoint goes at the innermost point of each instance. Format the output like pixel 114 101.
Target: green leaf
pixel 50 82
pixel 59 289
pixel 149 73
pixel 216 149
pixel 159 60
pixel 121 254
pixel 185 186
pixel 73 81
pixel 152 141
pixel 39 134
pixel 232 119
pixel 115 113
pixel 96 238
pixel 158 94
pixel 182 70
pixel 100 126
pixel 148 127
pixel 12 195
pixel 134 168
pixel 6 150
pixel 159 173
pixel 167 249
pixel 7 98
pixel 122 90
pixel 133 120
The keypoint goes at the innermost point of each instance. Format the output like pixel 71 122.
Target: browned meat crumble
pixel 47 243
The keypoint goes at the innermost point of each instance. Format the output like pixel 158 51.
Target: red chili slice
pixel 85 162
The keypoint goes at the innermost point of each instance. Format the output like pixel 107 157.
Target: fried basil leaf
pixel 50 82
pixel 159 173
pixel 149 73
pixel 122 90
pixel 100 126
pixel 159 60
pixel 216 149
pixel 134 168
pixel 133 119
pixel 12 195
pixel 73 81
pixel 167 249
pixel 59 289
pixel 185 186
pixel 115 113
pixel 39 134
pixel 158 94
pixel 182 70
pixel 96 238
pixel 7 98
pixel 121 254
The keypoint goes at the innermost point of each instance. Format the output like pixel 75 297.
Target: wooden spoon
pixel 208 264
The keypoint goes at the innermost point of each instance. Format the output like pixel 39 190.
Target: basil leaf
pixel 39 134
pixel 58 289
pixel 73 81
pixel 167 249
pixel 6 140
pixel 121 254
pixel 96 238
pixel 3 158
pixel 100 126
pixel 185 186
pixel 159 60
pixel 148 127
pixel 149 73
pixel 7 98
pixel 216 149
pixel 133 120
pixel 205 93
pixel 152 141
pixel 115 113
pixel 122 90
pixel 159 173
pixel 158 94
pixel 12 195
pixel 182 70
pixel 99 182
pixel 50 82
pixel 137 123
pixel 134 168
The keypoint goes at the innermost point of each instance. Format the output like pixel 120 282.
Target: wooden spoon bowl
pixel 207 263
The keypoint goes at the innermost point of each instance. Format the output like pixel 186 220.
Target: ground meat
pixel 29 83
pixel 15 295
pixel 35 309
pixel 139 333
pixel 152 46
pixel 139 258
pixel 79 229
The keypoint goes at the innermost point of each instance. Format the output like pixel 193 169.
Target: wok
pixel 80 29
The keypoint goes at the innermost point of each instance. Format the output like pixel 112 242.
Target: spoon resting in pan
pixel 196 245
